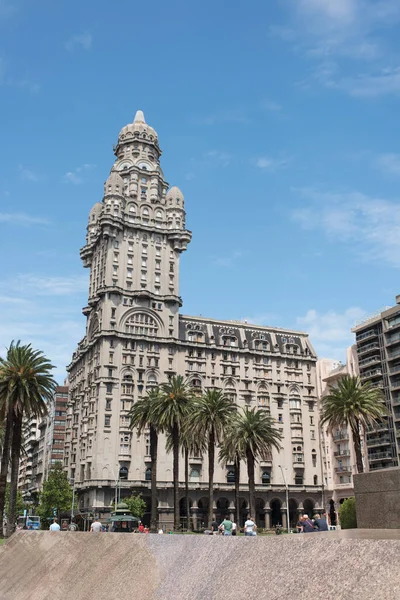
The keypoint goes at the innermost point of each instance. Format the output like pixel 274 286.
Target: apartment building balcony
pixel 393 355
pixel 343 469
pixel 371 374
pixel 395 384
pixel 381 441
pixel 375 466
pixel 380 456
pixel 342 453
pixel 392 339
pixel 378 427
pixel 394 325
pixel 369 361
pixel 362 350
pixel 371 333
pixel 395 369
pixel 341 435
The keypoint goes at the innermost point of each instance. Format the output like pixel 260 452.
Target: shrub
pixel 347 514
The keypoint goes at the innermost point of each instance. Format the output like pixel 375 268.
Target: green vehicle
pixel 122 520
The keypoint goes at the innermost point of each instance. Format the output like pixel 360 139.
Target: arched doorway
pixel 222 509
pixel 276 506
pixel 293 512
pixel 183 512
pixel 260 514
pixel 308 506
pixel 243 511
pixel 202 514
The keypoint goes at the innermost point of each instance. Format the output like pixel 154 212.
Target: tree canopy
pixel 56 493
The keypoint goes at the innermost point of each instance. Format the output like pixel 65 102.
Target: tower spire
pixel 139 117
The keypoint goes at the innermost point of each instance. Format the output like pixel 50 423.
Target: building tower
pixel 135 339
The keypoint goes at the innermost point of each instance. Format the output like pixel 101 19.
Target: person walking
pixel 321 523
pixel 54 526
pixel 226 526
pixel 96 526
pixel 250 527
pixel 234 528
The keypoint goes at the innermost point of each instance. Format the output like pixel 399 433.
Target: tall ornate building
pixel 136 338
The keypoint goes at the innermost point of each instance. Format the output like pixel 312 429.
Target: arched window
pixel 266 478
pixel 145 212
pixel 315 479
pixel 123 473
pixel 230 476
pixel 195 336
pixel 230 341
pixel 141 324
pixel 147 474
pixel 196 383
pixel 127 385
pixel 159 214
pixel 152 379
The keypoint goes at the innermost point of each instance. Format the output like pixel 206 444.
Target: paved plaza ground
pixel 349 565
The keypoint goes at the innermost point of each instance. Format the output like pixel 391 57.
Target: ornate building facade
pixel 136 338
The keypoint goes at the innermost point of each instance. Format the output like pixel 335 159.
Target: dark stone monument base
pixel 378 499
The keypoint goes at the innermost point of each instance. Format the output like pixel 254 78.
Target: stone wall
pixel 378 499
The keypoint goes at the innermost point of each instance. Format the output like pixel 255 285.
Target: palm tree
pixel 230 453
pixel 356 405
pixel 253 436
pixel 26 385
pixel 210 417
pixel 142 418
pixel 170 412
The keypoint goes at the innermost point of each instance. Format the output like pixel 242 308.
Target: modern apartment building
pixel 136 338
pixel 337 448
pixel 378 349
pixel 44 446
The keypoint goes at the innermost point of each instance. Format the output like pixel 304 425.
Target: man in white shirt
pixel 54 526
pixel 250 527
pixel 96 526
pixel 234 528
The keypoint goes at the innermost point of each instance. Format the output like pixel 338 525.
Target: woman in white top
pixel 250 527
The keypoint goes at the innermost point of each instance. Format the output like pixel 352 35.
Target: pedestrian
pixel 308 526
pixel 160 531
pixel 214 527
pixel 146 530
pixel 96 526
pixel 54 526
pixel 234 528
pixel 226 526
pixel 299 525
pixel 321 523
pixel 141 527
pixel 250 527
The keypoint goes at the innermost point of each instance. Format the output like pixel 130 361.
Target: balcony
pixel 395 384
pixel 343 469
pixel 368 348
pixel 378 427
pixel 342 453
pixel 370 360
pixel 341 435
pixel 371 373
pixel 395 369
pixel 381 441
pixel 393 355
pixel 380 456
pixel 367 334
pixel 392 339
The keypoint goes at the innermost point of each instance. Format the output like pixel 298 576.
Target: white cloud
pixel 44 311
pixel 388 164
pixel 228 261
pixel 371 226
pixel 22 219
pixel 330 332
pixel 81 41
pixel 343 11
pixel 78 175
pixel 271 164
pixel 217 155
pixel 387 81
pixel 28 174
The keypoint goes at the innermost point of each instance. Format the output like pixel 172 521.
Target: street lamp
pixel 73 497
pixel 287 498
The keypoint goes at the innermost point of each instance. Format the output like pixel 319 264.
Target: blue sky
pixel 278 120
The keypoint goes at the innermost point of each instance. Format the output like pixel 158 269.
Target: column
pixel 267 513
pixel 284 518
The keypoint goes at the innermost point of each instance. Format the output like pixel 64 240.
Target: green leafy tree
pixel 56 493
pixel 251 437
pixel 347 514
pixel 142 417
pixel 136 505
pixel 210 417
pixel 353 404
pixel 26 385
pixel 170 411
pixel 20 504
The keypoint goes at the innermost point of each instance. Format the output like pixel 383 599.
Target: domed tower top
pixel 175 198
pixel 138 131
pixel 114 184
